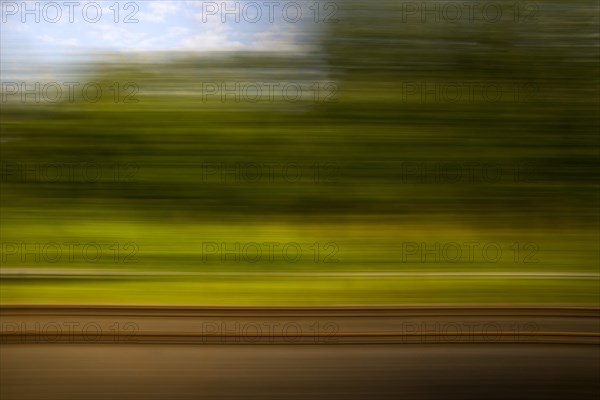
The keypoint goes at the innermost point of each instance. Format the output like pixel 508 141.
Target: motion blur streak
pixel 299 156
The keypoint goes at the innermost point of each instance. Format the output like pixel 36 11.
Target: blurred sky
pixel 43 49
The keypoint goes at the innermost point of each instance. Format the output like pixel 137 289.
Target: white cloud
pixel 51 40
pixel 211 42
pixel 157 11
pixel 280 37
pixel 116 36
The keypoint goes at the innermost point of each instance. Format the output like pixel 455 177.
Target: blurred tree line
pixel 412 119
